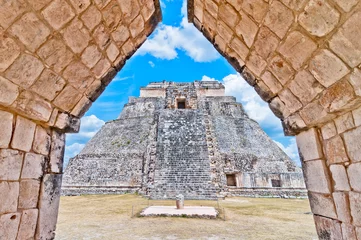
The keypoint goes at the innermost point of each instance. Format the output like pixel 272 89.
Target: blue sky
pixel 176 51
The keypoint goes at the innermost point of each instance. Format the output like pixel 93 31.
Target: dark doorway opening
pixel 231 180
pixel 181 104
pixel 276 183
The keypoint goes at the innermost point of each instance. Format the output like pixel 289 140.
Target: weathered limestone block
pixel 9 51
pixel 348 231
pixel 316 176
pixel 327 68
pixel 272 82
pixel 9 197
pixel 335 151
pixel 266 43
pixel 9 11
pixel 291 102
pixel 322 204
pixel 91 17
pixel 137 26
pixel 31 31
pixel 101 36
pixel 6 126
pixel 34 166
pixel 130 9
pixel 48 206
pixel 354 174
pixel 82 107
pixel 80 5
pixel 39 4
pixel 24 70
pixel 295 4
pixel 48 85
pixel 90 57
pixel 340 178
pixel 328 228
pixel 255 63
pixel 112 52
pixel 225 33
pixel 355 205
pixel 305 86
pixel 315 113
pixel 76 36
pixel 9 225
pixel 319 18
pixel 55 54
pixel 256 8
pixel 279 18
pixel 67 123
pixel 68 98
pixel 342 206
pixel 104 65
pixel 29 193
pixel 10 164
pixel 344 122
pixel 58 13
pixel 309 146
pixel 228 14
pixel 281 69
pixel 57 152
pixel 353 146
pixel 297 48
pixel 247 29
pixel 78 75
pixel 33 106
pixel 357 116
pixel 23 135
pixel 328 130
pixel 345 42
pixel 28 223
pixel 355 80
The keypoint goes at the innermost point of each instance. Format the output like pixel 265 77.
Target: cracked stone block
pixel 353 146
pixel 342 206
pixel 25 70
pixel 9 51
pixel 58 13
pixel 291 102
pixel 247 29
pixel 335 151
pixel 279 18
pixel 8 92
pixel 10 164
pixel 355 205
pixel 67 123
pixel 28 223
pixel 24 134
pixel 309 145
pixel 55 54
pixel 76 36
pixel 354 174
pixel 29 193
pixel 91 17
pixel 31 31
pixel 33 106
pixel 102 37
pixel 327 68
pixel 48 206
pixel 316 176
pixel 34 166
pixel 82 107
pixel 340 178
pixel 57 152
pixel 319 18
pixel 111 14
pixel 41 141
pixel 9 225
pixel 322 204
pixel 48 85
pixel 266 42
pixel 328 228
pixel 9 197
pixel 297 48
pixel 6 126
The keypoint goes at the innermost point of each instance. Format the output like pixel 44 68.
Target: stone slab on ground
pixel 187 211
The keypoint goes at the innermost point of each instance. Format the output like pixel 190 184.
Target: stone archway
pixel 303 58
pixel 56 57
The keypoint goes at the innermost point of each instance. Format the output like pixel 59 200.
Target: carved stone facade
pixel 189 139
pixel 56 57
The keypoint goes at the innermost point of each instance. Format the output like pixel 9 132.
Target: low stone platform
pixel 187 211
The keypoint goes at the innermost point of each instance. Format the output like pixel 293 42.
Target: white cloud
pixel 167 39
pixel 256 108
pixel 291 150
pixel 206 78
pixel 90 125
pixel 151 64
pixel 119 79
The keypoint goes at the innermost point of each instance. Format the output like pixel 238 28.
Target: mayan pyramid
pixel 182 138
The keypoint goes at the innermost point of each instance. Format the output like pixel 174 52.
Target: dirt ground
pixel 110 217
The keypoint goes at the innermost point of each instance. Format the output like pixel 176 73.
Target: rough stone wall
pixel 56 58
pixel 303 58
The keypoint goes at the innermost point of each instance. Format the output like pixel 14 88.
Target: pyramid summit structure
pixel 183 138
